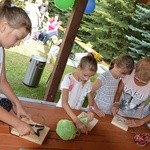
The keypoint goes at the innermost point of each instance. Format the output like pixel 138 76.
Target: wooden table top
pixel 104 135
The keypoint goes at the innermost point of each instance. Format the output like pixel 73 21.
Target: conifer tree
pixel 107 26
pixel 139 37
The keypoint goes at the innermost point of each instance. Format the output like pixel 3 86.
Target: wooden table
pixel 104 135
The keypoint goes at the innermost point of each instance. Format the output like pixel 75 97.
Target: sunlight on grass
pixel 29 48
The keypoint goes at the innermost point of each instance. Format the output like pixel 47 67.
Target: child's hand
pixel 81 127
pixel 24 129
pixel 99 112
pixel 115 108
pixel 134 122
pixel 90 116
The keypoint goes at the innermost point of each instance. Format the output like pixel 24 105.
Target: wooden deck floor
pixel 104 136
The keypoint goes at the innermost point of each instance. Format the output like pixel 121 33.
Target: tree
pixel 139 35
pixel 107 26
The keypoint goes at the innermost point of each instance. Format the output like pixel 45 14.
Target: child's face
pixel 85 74
pixel 120 73
pixel 11 37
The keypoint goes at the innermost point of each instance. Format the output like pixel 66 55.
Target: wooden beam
pixel 146 2
pixel 65 49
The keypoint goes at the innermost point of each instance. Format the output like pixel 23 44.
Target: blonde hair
pixel 16 17
pixel 124 62
pixel 142 69
pixel 88 62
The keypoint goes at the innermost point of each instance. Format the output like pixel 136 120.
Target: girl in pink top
pixel 50 30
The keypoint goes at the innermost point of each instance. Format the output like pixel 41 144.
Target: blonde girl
pixel 75 87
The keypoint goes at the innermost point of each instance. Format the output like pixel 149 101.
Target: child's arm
pixel 7 90
pixel 137 122
pixel 98 111
pixel 115 107
pixel 96 85
pixel 93 107
pixel 9 93
pixel 22 127
pixel 80 126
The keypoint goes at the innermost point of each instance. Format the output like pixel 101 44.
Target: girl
pixel 14 26
pixel 132 93
pixel 50 29
pixel 106 84
pixel 75 87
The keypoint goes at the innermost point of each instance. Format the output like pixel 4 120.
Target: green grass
pixel 17 61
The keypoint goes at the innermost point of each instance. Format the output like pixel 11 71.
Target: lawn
pixel 17 61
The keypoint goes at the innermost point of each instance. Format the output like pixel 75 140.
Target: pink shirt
pixel 53 25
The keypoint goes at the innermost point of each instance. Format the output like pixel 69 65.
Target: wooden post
pixel 146 2
pixel 65 49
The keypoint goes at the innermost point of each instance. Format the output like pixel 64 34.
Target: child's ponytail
pixel 91 54
pixel 88 62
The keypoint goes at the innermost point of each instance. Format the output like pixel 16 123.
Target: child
pixel 14 26
pixel 75 87
pixel 132 93
pixel 106 84
pixel 54 50
pixel 51 29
